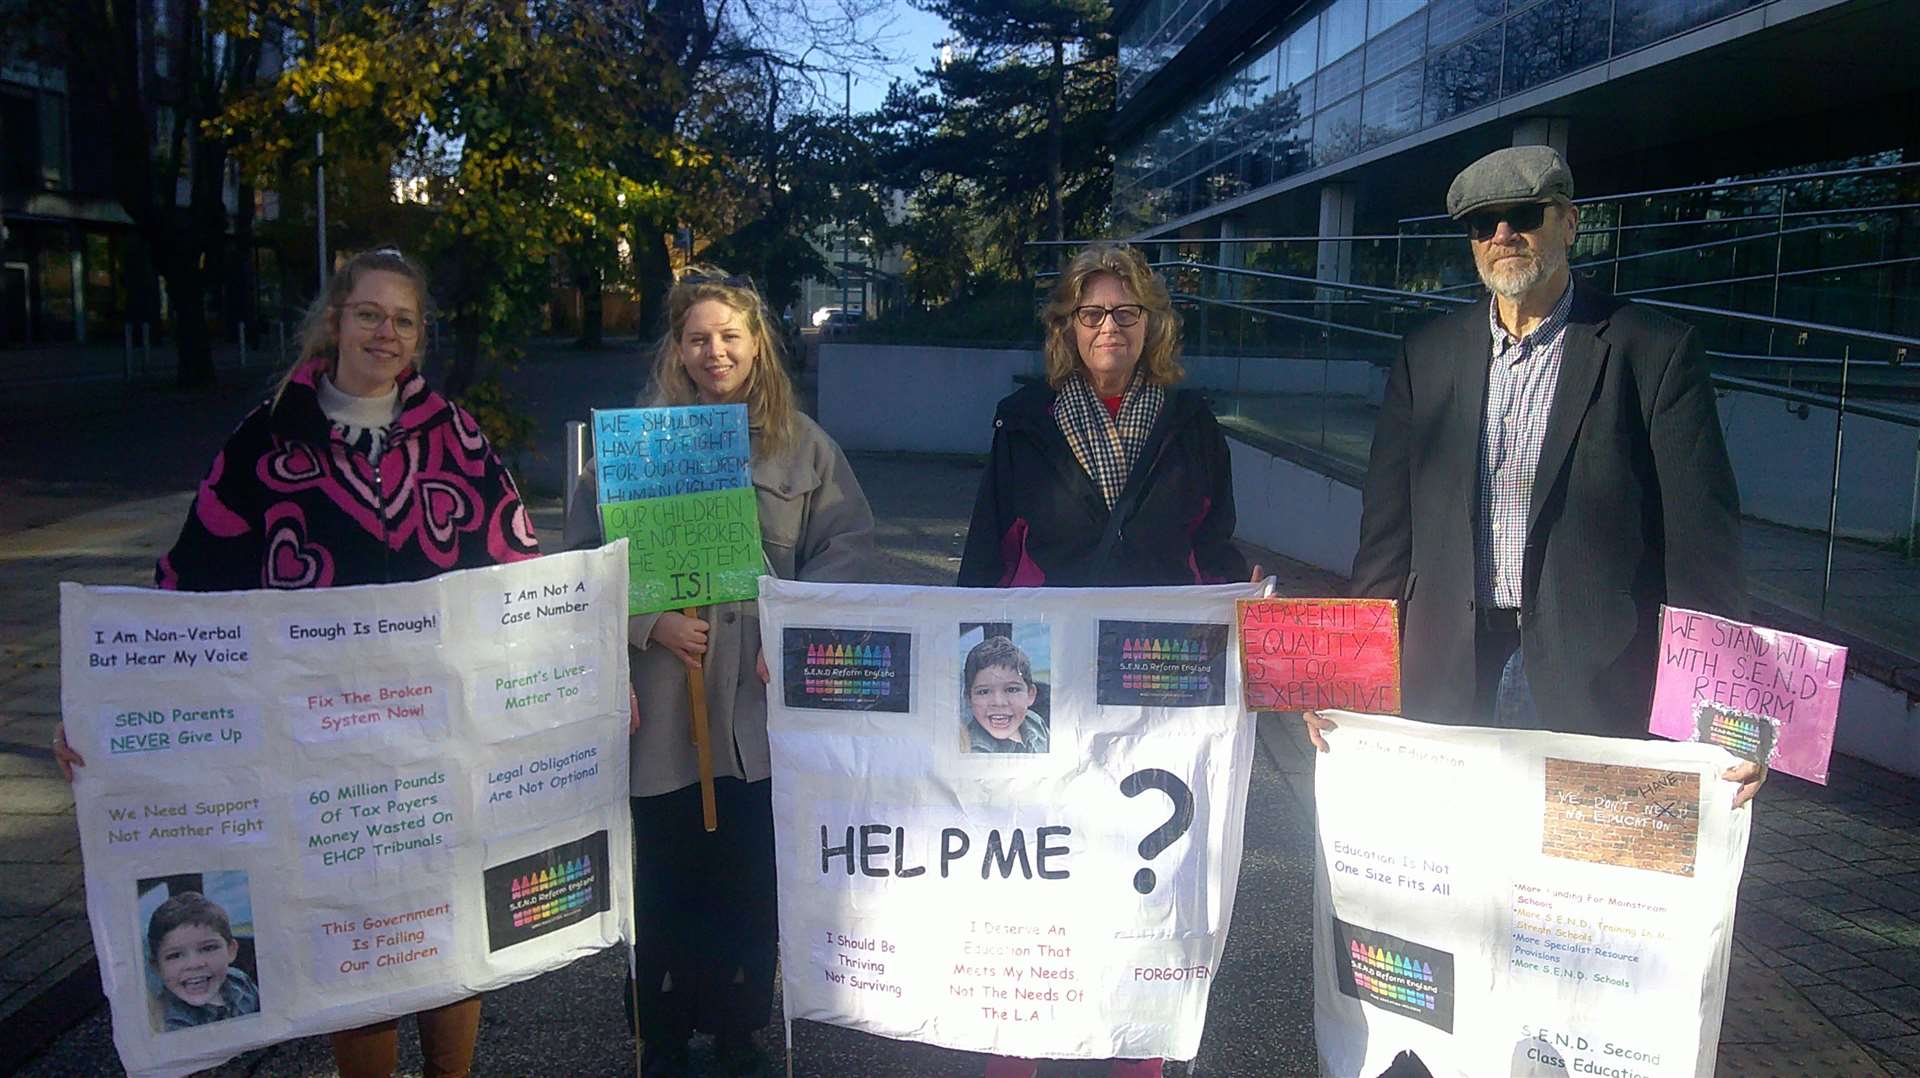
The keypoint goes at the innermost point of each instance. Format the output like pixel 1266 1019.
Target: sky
pixel 910 36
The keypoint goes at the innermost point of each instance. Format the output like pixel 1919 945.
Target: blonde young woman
pixel 705 901
pixel 355 471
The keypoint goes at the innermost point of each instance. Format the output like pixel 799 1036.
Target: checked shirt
pixel 1522 375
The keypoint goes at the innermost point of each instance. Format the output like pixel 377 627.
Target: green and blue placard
pixel 677 483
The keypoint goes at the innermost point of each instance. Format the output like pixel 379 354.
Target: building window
pixel 1341 78
pixel 1463 78
pixel 1382 14
pixel 1299 52
pixel 1343 26
pixel 1552 39
pixel 1392 107
pixel 1452 20
pixel 53 141
pixel 1643 22
pixel 1401 45
pixel 1336 131
pixel 56 289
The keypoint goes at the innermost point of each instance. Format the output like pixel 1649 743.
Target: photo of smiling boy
pixel 191 948
pixel 1000 694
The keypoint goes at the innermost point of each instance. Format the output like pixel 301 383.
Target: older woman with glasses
pixel 1105 475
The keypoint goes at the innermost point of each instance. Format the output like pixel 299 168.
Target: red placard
pixel 1306 654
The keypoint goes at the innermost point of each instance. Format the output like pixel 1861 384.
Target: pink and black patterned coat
pixel 288 504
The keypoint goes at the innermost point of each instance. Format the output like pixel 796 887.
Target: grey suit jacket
pixel 1634 505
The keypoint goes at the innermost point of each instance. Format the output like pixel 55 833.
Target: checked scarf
pixel 1106 446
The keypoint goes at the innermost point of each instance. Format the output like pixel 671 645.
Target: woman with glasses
pixel 704 902
pixel 355 472
pixel 1106 474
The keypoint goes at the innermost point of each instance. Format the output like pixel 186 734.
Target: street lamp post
pixel 846 220
pixel 320 202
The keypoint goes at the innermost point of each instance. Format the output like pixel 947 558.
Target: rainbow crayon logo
pixel 1391 976
pixel 856 670
pixel 847 669
pixel 551 892
pixel 1161 649
pixel 850 655
pixel 1743 733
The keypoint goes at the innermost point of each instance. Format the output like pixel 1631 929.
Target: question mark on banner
pixel 1167 833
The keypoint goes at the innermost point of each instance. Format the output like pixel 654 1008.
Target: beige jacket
pixel 815 524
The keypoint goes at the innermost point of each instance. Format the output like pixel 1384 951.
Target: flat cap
pixel 1515 174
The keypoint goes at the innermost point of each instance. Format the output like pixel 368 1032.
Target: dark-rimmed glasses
pixel 1482 224
pixel 369 316
pixel 1091 315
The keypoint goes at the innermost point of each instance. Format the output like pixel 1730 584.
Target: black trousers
pixel 704 912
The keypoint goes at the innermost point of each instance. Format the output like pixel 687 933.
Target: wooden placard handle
pixel 702 743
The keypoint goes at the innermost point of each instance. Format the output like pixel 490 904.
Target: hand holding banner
pixel 1521 902
pixel 1006 821
pixel 366 801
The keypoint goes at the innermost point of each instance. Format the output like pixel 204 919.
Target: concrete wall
pixel 913 398
pixel 1293 510
pixel 1785 467
pixel 1343 377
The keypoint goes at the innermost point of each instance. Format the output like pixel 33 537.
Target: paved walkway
pixel 1826 976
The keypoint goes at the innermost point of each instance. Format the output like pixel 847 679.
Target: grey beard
pixel 1517 283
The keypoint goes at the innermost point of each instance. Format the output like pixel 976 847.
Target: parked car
pixel 832 320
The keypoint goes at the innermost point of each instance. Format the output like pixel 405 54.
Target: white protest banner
pixel 306 811
pixel 1006 820
pixel 1517 902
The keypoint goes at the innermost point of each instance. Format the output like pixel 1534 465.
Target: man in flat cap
pixel 1547 470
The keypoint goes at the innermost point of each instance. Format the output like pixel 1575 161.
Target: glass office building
pixel 1221 100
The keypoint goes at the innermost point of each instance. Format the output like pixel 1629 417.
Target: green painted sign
pixel 688 549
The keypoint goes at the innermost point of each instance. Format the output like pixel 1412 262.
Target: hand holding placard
pixel 1767 696
pixel 678 483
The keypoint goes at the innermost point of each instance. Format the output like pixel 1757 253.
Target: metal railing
pixel 1256 310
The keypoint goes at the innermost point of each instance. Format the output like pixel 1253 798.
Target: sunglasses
pixel 1482 224
pixel 1125 315
pixel 731 281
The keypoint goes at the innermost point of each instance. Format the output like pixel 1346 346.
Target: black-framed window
pixel 1553 38
pixel 1463 77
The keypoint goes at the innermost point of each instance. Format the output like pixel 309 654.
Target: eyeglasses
pixel 1482 224
pixel 733 281
pixel 1091 315
pixel 369 316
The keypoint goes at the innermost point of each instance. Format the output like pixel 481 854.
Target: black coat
pixel 1633 505
pixel 1039 519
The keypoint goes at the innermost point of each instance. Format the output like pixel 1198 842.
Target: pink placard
pixel 1766 695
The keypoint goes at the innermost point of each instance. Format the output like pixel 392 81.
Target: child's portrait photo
pixel 1005 674
pixel 201 965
